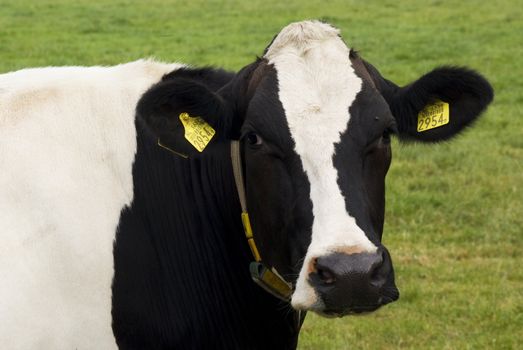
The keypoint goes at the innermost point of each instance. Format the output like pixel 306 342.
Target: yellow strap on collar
pixel 250 239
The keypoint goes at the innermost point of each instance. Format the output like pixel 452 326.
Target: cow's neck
pixel 182 260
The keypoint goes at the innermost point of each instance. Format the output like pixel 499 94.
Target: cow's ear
pixel 184 114
pixel 440 104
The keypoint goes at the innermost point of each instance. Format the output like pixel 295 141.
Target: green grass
pixel 454 221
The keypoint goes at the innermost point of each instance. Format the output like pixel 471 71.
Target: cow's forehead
pixel 316 81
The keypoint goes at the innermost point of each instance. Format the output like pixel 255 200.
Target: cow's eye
pixel 253 139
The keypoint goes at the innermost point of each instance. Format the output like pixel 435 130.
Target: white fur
pixel 67 144
pixel 317 85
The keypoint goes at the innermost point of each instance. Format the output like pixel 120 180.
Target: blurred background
pixel 454 219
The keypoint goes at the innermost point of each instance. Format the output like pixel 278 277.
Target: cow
pixel 143 205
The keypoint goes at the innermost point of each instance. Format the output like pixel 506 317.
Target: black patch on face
pixel 278 191
pixel 362 158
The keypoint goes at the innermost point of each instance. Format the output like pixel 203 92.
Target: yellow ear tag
pixel 197 131
pixel 433 116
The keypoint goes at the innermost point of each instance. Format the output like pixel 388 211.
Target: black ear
pixel 438 105
pixel 204 113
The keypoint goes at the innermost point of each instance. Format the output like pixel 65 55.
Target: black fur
pixel 212 78
pixel 181 259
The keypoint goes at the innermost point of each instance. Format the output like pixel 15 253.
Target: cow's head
pixel 315 121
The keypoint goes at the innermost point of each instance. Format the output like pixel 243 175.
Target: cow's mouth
pixel 389 295
pixel 360 310
pixel 357 310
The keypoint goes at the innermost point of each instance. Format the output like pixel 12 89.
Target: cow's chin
pixel 319 306
pixel 356 311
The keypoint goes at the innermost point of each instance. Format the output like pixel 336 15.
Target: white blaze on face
pixel 317 85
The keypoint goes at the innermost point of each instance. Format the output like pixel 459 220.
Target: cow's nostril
pixel 325 274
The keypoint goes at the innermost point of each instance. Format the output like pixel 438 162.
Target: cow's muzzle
pixel 353 283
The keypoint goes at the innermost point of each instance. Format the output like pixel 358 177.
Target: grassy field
pixel 454 221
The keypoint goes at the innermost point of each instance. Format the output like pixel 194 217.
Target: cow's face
pixel 317 149
pixel 315 122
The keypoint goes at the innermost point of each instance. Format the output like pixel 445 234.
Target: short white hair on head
pixel 301 35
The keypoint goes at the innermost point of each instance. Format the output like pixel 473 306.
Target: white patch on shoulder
pixel 317 85
pixel 67 145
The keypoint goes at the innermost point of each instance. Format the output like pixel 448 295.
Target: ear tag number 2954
pixel 197 131
pixel 433 116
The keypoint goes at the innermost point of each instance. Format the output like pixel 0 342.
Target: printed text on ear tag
pixel 433 116
pixel 197 131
